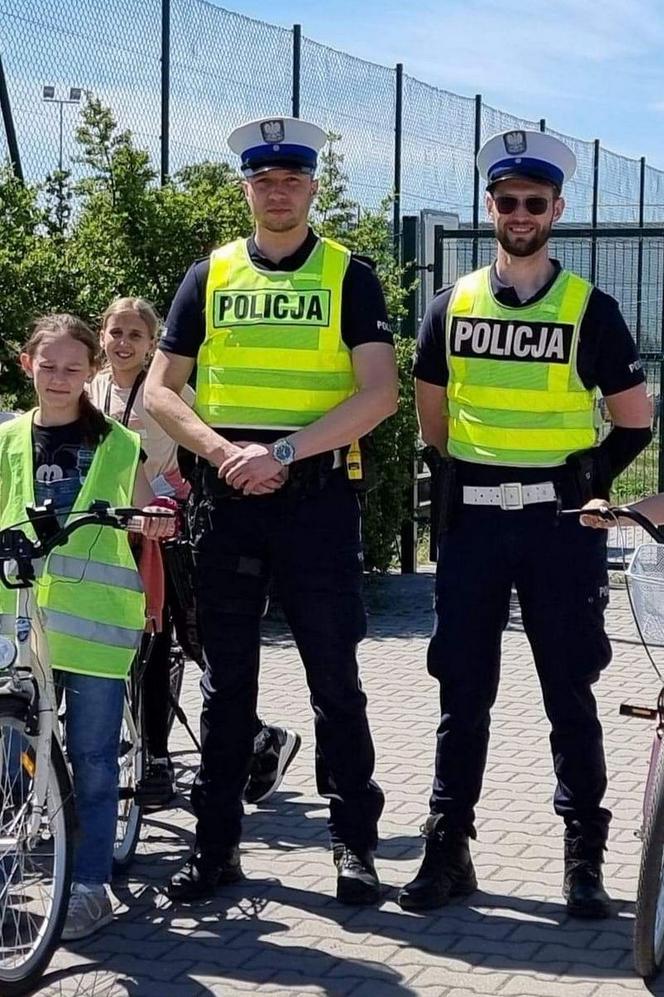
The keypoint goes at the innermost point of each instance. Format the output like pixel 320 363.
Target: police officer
pixel 294 358
pixel 508 364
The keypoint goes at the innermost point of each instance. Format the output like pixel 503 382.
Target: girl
pixel 65 450
pixel 129 333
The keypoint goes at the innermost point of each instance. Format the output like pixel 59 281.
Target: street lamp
pixel 48 95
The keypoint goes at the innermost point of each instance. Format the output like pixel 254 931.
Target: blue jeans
pixel 92 724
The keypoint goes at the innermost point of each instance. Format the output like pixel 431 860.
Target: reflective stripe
pixel 504 411
pixel 97 633
pixel 255 370
pixel 79 568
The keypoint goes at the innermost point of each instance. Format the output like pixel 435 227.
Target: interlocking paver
pixel 282 932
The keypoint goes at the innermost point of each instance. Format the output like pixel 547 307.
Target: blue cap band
pixel 300 156
pixel 536 169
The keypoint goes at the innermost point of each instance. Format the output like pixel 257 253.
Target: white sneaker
pixel 89 910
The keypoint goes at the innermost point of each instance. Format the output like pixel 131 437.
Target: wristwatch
pixel 283 452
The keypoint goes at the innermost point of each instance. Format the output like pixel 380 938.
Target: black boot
pixel 201 875
pixel 357 881
pixel 446 871
pixel 583 888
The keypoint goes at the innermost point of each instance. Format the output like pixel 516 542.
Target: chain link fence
pixel 200 70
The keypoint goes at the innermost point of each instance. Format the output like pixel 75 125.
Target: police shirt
pixel 363 310
pixel 607 357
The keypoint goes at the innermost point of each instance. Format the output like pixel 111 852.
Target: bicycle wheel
pixel 176 663
pixel 649 917
pixel 131 764
pixel 35 871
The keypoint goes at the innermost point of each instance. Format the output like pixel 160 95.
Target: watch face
pixel 284 451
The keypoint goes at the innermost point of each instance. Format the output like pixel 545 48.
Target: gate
pixel 625 261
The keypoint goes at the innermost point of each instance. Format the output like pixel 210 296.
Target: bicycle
pixel 132 755
pixel 37 818
pixel 645 587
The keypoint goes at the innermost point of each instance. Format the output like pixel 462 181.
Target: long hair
pixel 143 309
pixel 93 423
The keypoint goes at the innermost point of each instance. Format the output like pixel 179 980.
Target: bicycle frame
pixel 32 661
pixel 32 657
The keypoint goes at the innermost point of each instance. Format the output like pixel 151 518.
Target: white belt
pixel 509 496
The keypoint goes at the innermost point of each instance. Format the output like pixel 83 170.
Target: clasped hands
pixel 252 469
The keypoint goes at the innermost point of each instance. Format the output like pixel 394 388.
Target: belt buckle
pixel 511 496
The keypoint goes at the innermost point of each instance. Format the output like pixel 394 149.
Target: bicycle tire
pixel 648 930
pixel 131 761
pixel 22 979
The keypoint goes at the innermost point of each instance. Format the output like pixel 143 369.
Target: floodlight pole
pixel 61 102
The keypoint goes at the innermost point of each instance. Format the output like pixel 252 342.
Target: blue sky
pixel 592 70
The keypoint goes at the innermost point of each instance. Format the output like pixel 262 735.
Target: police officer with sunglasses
pixel 509 365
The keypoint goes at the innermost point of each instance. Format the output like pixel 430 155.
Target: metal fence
pixel 182 73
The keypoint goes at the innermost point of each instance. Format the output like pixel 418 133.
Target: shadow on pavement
pixel 230 942
pixel 235 938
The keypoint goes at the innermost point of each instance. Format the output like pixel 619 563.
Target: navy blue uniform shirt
pixel 363 310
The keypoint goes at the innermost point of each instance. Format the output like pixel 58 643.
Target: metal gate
pixel 625 261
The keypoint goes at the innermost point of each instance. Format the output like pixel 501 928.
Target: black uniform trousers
pixel 309 545
pixel 559 570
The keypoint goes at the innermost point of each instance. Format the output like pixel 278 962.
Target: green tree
pixel 74 247
pixel 58 196
pixel 133 237
pixel 369 233
pixel 33 279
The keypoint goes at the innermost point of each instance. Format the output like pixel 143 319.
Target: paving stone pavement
pixel 281 931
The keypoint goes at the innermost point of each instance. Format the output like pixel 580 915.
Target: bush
pixel 393 451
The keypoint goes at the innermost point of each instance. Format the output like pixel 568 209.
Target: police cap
pixel 277 143
pixel 529 155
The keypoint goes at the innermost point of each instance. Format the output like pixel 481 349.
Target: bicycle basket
pixel 645 577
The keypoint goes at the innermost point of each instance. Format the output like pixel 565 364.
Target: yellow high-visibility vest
pixel 273 354
pixel 89 591
pixel 514 394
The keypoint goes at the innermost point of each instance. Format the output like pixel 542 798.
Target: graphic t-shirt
pixel 61 461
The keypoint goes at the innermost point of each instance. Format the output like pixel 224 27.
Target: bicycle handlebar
pixel 16 546
pixel 612 512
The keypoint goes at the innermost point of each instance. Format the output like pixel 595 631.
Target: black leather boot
pixel 447 868
pixel 357 880
pixel 201 875
pixel 583 888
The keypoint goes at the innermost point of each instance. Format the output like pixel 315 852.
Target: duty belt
pixel 509 496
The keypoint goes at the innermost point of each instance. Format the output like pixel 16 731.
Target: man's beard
pixel 522 246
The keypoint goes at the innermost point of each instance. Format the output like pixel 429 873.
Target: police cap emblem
pixel 273 131
pixel 515 143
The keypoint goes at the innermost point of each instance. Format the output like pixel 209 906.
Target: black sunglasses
pixel 507 203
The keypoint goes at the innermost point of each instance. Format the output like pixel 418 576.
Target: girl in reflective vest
pixel 89 592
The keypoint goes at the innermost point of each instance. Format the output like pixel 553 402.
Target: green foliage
pixel 74 247
pixel 393 446
pixel 369 233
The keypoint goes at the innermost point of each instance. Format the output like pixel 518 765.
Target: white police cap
pixel 531 155
pixel 277 143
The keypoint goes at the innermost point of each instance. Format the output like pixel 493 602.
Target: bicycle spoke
pixel 29 864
